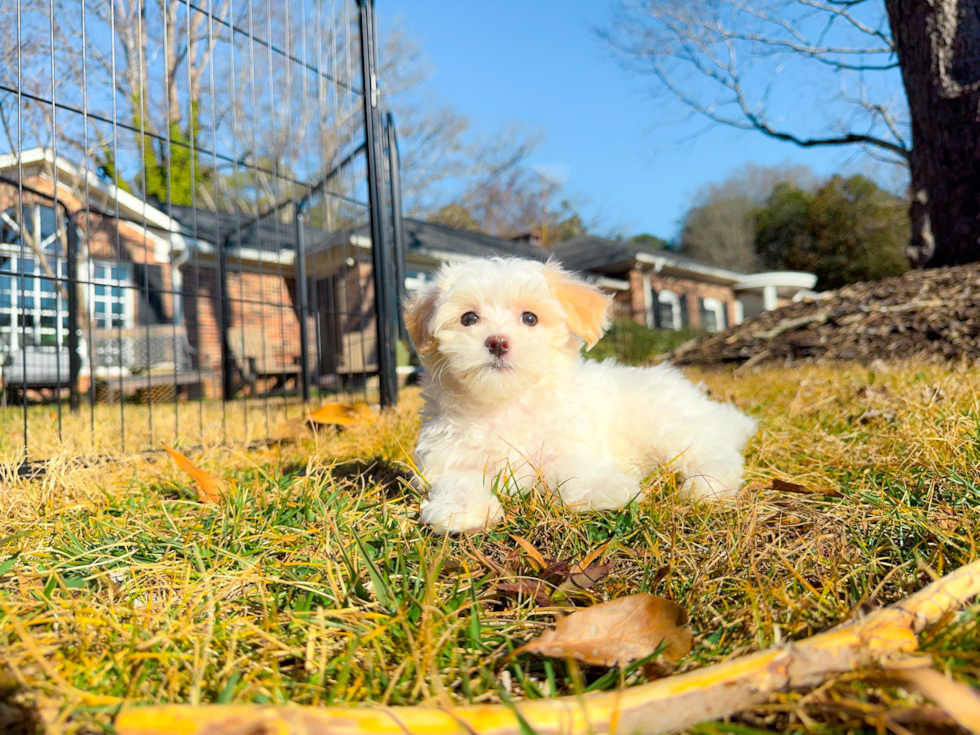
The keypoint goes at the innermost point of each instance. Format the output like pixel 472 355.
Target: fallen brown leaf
pixel 591 557
pixel 581 576
pixel 527 588
pixel 342 414
pixel 617 632
pixel 586 579
pixel 210 488
pixel 536 558
pixel 782 486
pixel 959 701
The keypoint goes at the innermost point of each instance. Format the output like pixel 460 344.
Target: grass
pixel 315 584
pixel 113 429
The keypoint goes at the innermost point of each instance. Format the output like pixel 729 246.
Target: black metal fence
pixel 199 220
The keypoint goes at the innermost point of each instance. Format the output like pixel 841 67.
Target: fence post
pixel 74 358
pixel 227 362
pixel 303 307
pixel 384 300
pixel 398 230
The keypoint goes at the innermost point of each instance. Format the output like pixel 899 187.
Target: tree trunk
pixel 938 46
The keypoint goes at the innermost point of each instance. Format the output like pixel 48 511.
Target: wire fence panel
pixel 197 235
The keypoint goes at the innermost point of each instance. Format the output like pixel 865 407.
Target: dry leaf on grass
pixel 210 489
pixel 583 577
pixel 342 414
pixel 791 487
pixel 571 578
pixel 782 486
pixel 526 588
pixel 617 632
pixel 958 700
pixel 536 558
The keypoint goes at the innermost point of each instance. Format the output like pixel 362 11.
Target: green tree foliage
pixel 651 242
pixel 847 230
pixel 105 162
pixel 180 163
pixel 564 224
pixel 718 227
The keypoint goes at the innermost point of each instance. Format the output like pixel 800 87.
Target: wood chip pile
pixel 930 313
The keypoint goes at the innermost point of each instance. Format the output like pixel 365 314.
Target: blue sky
pixel 624 152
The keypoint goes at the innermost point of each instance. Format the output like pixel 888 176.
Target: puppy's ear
pixel 418 313
pixel 586 306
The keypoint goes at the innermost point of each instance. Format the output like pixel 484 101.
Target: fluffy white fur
pixel 539 413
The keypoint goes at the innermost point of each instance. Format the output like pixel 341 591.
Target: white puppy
pixel 510 402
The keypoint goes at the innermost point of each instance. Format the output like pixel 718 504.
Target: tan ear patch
pixel 418 313
pixel 586 306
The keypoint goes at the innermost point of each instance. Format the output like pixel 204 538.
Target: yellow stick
pixel 662 706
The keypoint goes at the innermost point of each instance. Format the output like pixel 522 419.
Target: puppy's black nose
pixel 498 345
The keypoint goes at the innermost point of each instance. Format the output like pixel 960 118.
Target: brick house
pixel 124 260
pixel 670 291
pixel 150 268
pixel 149 284
pixel 153 308
pixel 658 288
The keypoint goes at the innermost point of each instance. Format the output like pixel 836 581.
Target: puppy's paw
pixel 586 484
pixel 717 480
pixel 472 516
pixel 459 503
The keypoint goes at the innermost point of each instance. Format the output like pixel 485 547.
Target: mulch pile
pixel 929 313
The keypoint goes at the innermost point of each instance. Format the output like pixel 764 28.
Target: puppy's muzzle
pixel 498 346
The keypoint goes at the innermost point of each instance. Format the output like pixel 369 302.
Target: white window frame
pixel 24 286
pixel 108 288
pixel 716 307
pixel 669 298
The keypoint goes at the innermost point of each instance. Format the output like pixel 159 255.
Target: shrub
pixel 634 344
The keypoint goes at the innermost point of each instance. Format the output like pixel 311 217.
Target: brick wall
pixel 694 291
pixel 266 302
pixel 259 302
pixel 637 305
pixel 202 315
pixel 631 304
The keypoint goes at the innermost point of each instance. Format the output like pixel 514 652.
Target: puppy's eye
pixel 469 319
pixel 528 319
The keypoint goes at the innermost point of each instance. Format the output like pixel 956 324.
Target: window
pixel 39 221
pixel 712 314
pixel 33 305
pixel 111 295
pixel 670 310
pixel 33 310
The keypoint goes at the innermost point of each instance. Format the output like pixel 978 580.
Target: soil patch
pixel 925 313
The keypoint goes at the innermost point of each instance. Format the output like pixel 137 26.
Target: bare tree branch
pixel 731 61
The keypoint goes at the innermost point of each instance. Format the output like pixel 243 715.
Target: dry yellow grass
pixel 315 583
pixel 120 429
